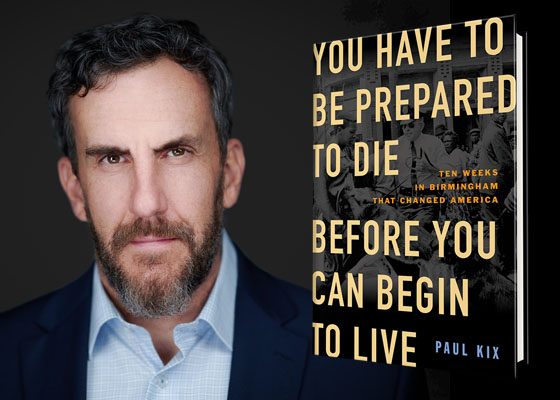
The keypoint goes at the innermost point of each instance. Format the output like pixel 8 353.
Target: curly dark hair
pixel 108 49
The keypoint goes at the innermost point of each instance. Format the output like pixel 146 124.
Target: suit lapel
pixel 268 359
pixel 54 364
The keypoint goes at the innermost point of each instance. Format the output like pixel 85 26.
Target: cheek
pixel 107 200
pixel 190 195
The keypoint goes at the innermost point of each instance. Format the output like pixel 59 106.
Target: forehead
pixel 152 101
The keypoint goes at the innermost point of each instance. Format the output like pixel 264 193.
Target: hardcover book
pixel 418 197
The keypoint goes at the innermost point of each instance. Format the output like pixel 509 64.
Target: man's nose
pixel 148 197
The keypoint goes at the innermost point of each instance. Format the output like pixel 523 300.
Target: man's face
pixel 448 143
pixel 475 137
pixel 151 183
pixel 412 129
pixel 500 118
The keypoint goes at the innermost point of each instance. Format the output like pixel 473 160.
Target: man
pixel 332 193
pixel 496 156
pixel 458 161
pixel 420 157
pixel 171 308
pixel 475 147
pixel 457 158
pixel 329 190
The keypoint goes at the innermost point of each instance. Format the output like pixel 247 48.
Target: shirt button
pixel 162 381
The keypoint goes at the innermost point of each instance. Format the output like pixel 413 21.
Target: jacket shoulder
pixel 44 312
pixel 286 301
pixel 43 343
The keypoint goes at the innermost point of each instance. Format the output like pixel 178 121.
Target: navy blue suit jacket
pixel 43 348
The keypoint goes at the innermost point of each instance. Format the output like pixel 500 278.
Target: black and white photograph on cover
pixel 461 176
pixel 418 164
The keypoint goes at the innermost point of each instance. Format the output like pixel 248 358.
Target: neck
pixel 161 329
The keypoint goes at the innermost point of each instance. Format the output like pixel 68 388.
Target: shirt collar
pixel 218 311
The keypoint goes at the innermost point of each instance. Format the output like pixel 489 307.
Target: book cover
pixel 418 222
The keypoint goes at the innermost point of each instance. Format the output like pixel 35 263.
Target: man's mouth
pixel 150 241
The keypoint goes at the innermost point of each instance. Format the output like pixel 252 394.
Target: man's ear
pixel 234 166
pixel 72 187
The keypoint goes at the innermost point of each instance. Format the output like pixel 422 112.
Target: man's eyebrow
pixel 101 150
pixel 185 140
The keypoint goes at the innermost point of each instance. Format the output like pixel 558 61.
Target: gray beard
pixel 157 299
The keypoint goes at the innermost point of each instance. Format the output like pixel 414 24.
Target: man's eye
pixel 178 152
pixel 112 159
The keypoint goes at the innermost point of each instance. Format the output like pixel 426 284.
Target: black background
pixel 269 49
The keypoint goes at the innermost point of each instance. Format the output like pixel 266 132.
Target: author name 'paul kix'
pixel 458 349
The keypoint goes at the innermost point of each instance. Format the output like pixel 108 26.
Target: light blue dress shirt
pixel 123 363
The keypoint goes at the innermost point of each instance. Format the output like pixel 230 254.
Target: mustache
pixel 160 228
